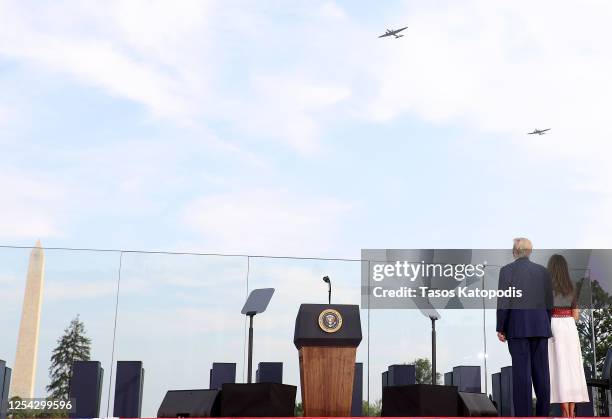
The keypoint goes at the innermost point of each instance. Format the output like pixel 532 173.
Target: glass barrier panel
pixel 83 285
pixel 461 342
pixel 179 314
pixel 497 355
pixel 397 336
pixel 77 287
pixel 298 281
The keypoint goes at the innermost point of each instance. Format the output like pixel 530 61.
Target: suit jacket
pixel 529 315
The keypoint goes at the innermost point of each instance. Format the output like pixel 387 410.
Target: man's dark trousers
pixel 530 361
pixel 525 323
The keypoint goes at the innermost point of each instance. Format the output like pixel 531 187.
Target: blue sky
pixel 289 128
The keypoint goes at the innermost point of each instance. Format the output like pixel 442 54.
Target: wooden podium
pixel 327 337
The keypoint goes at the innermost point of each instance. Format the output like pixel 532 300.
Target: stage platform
pixel 351 417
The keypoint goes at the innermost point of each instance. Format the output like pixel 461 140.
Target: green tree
pixel 601 324
pixel 299 409
pixel 22 413
pixel 597 321
pixel 423 371
pixel 30 413
pixel 369 409
pixel 372 409
pixel 72 346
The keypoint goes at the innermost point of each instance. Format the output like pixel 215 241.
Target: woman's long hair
pixel 559 273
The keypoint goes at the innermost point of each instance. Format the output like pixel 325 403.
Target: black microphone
pixel 326 279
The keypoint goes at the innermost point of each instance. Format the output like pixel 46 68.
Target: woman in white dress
pixel 567 381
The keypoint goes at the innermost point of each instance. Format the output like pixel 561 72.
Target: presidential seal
pixel 330 320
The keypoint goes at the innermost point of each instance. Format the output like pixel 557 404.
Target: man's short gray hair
pixel 521 247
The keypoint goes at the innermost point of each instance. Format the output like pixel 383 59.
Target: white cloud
pixel 10 290
pixel 260 221
pixel 331 10
pixel 129 49
pixel 502 70
pixel 183 321
pixel 72 290
pixel 66 289
pixel 170 58
pixel 498 70
pixel 4 115
pixel 286 108
pixel 29 206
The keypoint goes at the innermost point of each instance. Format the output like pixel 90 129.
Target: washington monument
pixel 24 372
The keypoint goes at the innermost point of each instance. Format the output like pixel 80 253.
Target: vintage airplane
pixel 539 131
pixel 393 32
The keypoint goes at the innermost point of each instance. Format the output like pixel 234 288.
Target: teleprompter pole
pixel 250 367
pixel 433 350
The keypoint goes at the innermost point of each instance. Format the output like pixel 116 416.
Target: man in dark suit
pixel 524 322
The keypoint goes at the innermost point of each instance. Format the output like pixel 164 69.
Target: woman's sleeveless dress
pixel 567 380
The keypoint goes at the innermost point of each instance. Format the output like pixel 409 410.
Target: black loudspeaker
pixel 357 402
pixel 496 387
pixel 258 400
pixel 401 375
pixel 448 378
pixel 190 404
pixel 86 388
pixel 420 400
pixel 467 378
pixel 5 383
pixel 507 397
pixel 221 373
pixel 128 389
pixel 582 409
pixel 269 372
pixel 476 404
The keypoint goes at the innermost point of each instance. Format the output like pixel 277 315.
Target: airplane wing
pixel 529 133
pixel 393 32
